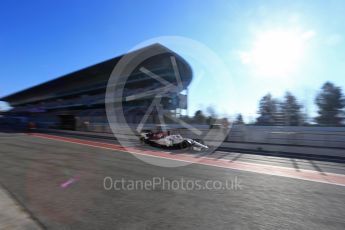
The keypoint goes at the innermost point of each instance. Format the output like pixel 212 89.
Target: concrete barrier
pixel 323 141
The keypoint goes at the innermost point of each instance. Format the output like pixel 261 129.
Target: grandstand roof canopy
pixel 95 76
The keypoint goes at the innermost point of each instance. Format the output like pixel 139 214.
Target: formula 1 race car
pixel 166 140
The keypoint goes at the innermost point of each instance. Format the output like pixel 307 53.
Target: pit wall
pixel 323 141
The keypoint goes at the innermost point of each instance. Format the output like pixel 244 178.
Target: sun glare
pixel 277 53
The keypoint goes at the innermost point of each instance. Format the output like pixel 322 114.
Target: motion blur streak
pixel 309 175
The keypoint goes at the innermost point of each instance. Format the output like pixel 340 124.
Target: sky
pixel 260 46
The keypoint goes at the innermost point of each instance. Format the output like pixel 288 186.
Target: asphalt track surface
pixel 61 184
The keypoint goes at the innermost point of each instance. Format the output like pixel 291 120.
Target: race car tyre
pixel 184 144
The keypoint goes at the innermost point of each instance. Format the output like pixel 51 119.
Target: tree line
pixel 287 111
pixel 330 103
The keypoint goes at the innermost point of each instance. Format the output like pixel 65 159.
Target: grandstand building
pixel 76 101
